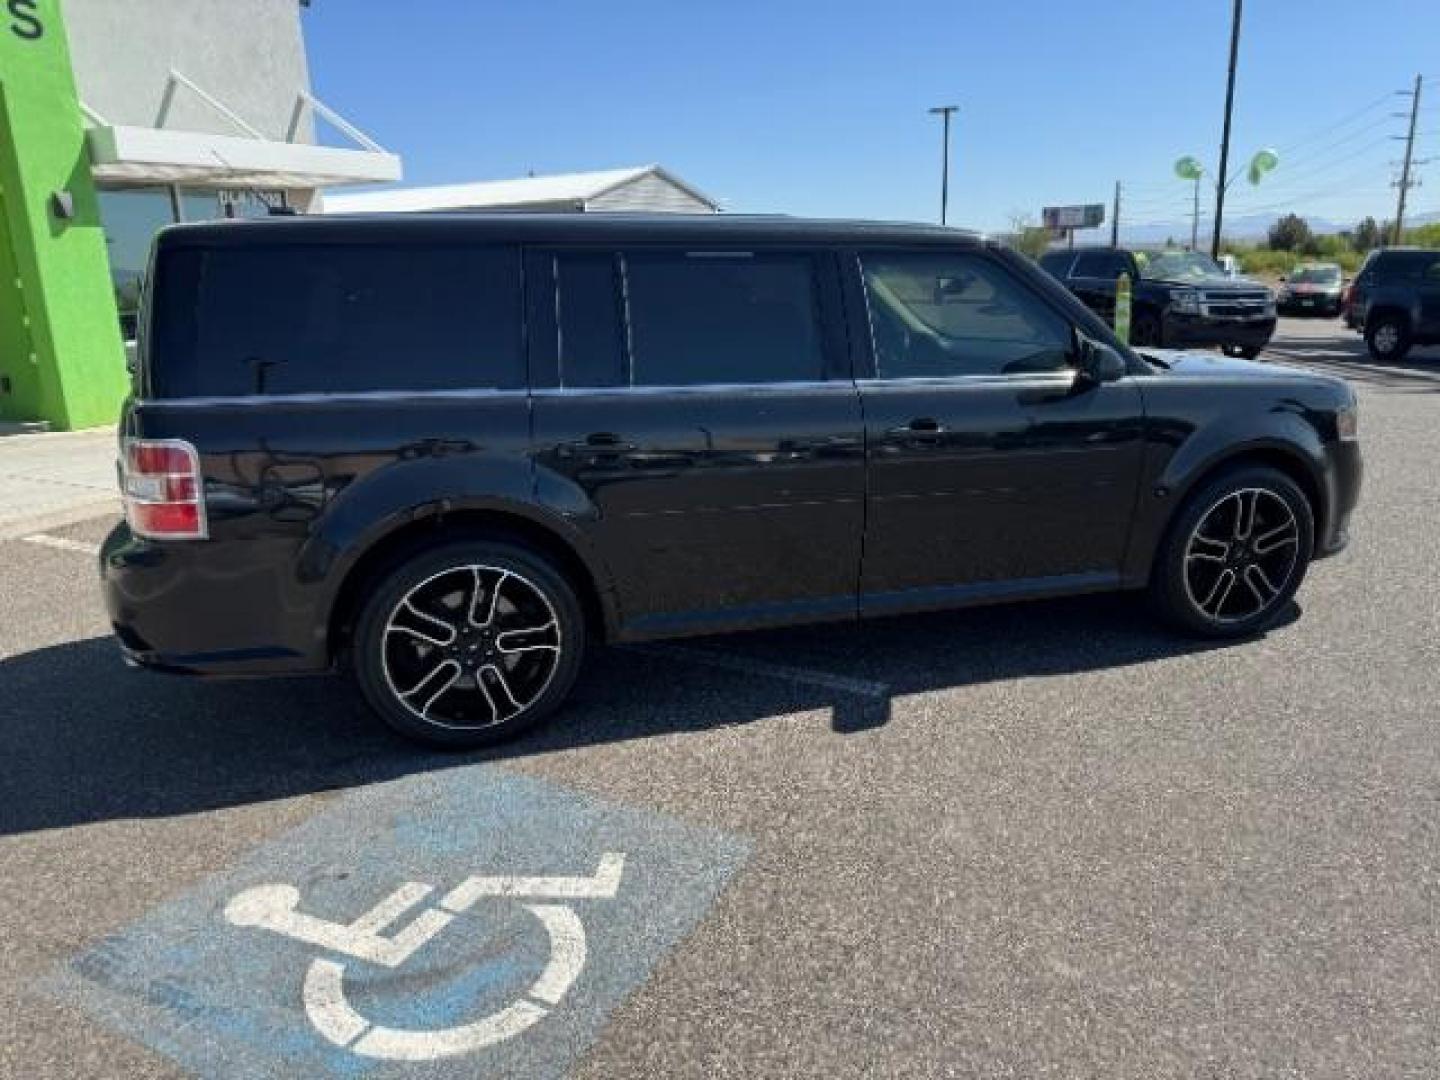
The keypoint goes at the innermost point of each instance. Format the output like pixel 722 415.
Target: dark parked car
pixel 1395 301
pixel 1312 289
pixel 448 451
pixel 1180 298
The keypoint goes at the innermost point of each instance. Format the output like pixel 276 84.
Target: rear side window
pixel 748 318
pixel 335 319
pixel 1403 265
pixel 681 318
pixel 590 320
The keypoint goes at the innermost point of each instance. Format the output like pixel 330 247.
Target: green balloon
pixel 1262 163
pixel 1187 168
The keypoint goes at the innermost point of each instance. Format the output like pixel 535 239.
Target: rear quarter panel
pixel 297 489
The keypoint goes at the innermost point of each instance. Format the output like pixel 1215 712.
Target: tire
pixel 440 665
pixel 1387 337
pixel 1187 583
pixel 1145 330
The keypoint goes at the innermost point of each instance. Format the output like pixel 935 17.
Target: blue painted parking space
pixel 469 922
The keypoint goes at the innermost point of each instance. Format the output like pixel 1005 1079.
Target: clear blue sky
pixel 820 108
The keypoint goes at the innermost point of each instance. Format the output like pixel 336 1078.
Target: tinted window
pixel 338 318
pixel 591 334
pixel 1106 266
pixel 742 318
pixel 1403 265
pixel 1056 262
pixel 943 315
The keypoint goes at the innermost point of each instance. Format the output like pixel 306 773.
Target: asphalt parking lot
pixel 1047 840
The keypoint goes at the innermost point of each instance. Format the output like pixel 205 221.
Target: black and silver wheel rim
pixel 471 647
pixel 1387 338
pixel 1242 555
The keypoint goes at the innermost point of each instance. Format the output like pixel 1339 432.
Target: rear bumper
pixel 1198 330
pixel 188 608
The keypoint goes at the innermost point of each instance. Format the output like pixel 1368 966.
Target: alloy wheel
pixel 471 647
pixel 1242 555
pixel 1387 338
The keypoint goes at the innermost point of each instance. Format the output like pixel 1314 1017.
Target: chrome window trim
pixel 699 388
pixel 1058 377
pixel 329 397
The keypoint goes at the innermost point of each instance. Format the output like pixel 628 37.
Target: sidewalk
pixel 56 478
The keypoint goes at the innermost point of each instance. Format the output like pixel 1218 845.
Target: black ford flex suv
pixel 1179 298
pixel 447 452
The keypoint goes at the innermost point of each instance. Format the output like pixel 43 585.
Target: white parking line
pixel 62 543
pixel 863 688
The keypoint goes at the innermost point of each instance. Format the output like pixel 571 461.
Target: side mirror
pixel 1100 363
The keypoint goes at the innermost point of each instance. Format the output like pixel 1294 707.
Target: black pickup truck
pixel 1180 298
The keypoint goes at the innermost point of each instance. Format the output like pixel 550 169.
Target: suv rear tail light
pixel 163 490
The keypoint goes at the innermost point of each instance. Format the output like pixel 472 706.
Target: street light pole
pixel 1225 137
pixel 944 112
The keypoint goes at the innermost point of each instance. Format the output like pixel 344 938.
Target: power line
pixel 1321 153
pixel 1345 186
pixel 1321 132
pixel 1288 181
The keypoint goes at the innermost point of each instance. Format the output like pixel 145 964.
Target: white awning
pixel 163 156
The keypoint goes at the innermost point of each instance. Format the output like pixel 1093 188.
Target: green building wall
pixel 61 355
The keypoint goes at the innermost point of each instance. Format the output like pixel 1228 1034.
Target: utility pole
pixel 1195 218
pixel 944 112
pixel 1225 136
pixel 1115 219
pixel 1405 181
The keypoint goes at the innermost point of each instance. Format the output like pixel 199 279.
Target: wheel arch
pixel 383 552
pixel 1376 312
pixel 1287 458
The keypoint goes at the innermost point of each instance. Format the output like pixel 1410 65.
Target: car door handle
pixel 921 427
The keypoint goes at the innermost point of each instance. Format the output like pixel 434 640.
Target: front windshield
pixel 1316 275
pixel 1177 266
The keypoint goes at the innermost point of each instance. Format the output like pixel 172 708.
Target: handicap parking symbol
pixel 273 907
pixel 473 922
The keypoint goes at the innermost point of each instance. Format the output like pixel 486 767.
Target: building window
pixel 209 204
pixel 131 217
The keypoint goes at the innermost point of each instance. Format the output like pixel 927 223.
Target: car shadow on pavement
pixel 83 739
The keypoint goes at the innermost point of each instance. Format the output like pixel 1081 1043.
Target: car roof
pixel 560 228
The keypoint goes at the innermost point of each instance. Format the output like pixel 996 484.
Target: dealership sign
pixel 1064 218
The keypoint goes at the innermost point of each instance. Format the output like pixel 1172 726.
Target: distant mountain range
pixel 1241 227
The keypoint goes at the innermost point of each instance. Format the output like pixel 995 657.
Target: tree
pixel 1366 236
pixel 1426 236
pixel 1290 233
pixel 1027 237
